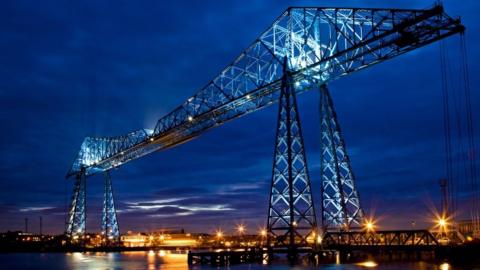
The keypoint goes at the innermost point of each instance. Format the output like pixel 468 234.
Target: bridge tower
pixel 340 201
pixel 110 229
pixel 291 215
pixel 77 214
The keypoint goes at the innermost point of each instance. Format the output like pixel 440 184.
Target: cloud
pixel 36 208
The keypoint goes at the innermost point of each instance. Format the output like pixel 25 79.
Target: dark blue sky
pixel 76 68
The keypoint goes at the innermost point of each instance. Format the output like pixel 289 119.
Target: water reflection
pixel 151 260
pixel 444 266
pixel 368 264
pixel 171 260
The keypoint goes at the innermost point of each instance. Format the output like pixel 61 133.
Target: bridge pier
pixel 110 231
pixel 340 200
pixel 291 214
pixel 77 216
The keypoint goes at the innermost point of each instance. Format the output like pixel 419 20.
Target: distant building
pixel 159 239
pixel 135 240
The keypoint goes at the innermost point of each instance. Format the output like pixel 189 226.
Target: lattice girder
pixel 321 44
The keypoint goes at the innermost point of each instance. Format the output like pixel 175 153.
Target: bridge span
pixel 304 48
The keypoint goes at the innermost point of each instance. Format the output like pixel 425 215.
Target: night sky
pixel 75 68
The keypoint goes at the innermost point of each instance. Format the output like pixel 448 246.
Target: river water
pixel 151 260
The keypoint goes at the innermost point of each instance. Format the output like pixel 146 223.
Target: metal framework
pixel 321 45
pixel 291 214
pixel 77 215
pixel 380 238
pixel 110 229
pixel 340 201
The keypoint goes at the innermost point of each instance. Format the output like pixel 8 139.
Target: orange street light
pixel 241 228
pixel 369 225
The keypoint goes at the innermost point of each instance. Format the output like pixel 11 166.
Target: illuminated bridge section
pixel 320 44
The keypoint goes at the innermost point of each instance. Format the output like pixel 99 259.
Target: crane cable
pixel 470 136
pixel 447 130
pixel 462 156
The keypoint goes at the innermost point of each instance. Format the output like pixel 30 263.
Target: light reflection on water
pixel 150 260
pixel 168 260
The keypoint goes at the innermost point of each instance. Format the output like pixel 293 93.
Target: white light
pixel 190 118
pixel 248 97
pixel 297 84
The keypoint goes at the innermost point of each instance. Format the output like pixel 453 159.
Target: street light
pixel 241 229
pixel 263 232
pixel 369 225
pixel 442 222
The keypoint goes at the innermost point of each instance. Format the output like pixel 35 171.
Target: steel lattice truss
pixel 77 214
pixel 291 215
pixel 110 229
pixel 321 44
pixel 340 201
pixel 400 238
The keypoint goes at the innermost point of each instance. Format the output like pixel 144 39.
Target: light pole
pixel 241 229
pixel 219 235
pixel 263 234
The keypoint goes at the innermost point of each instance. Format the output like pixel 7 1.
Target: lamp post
pixel 219 235
pixel 263 234
pixel 241 230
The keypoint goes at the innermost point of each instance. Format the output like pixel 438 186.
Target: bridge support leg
pixel 291 215
pixel 77 214
pixel 340 201
pixel 110 231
